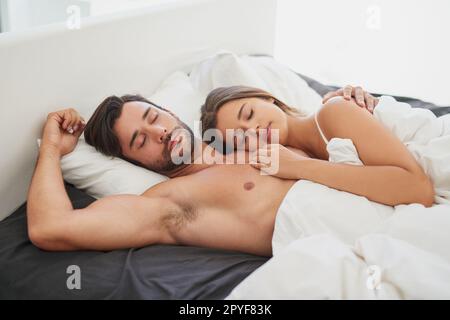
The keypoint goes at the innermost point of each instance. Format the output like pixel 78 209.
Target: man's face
pixel 152 136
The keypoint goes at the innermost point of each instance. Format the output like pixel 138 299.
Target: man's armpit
pixel 178 216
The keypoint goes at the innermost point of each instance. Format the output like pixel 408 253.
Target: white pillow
pixel 99 175
pixel 227 69
pixel 178 95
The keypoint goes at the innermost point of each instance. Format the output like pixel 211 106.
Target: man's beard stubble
pixel 166 165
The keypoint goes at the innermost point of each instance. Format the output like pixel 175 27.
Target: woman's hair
pixel 219 96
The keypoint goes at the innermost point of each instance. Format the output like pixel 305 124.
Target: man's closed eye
pixel 155 117
pixel 143 142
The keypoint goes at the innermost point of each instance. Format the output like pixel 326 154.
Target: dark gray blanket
pixel 416 103
pixel 153 272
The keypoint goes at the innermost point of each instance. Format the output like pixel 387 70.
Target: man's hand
pixel 361 97
pixel 62 130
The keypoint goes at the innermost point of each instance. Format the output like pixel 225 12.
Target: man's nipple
pixel 249 185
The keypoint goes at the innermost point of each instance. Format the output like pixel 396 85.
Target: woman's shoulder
pixel 339 113
pixel 338 104
pixel 339 107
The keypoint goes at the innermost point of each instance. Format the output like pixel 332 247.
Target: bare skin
pixel 187 210
pixel 390 174
pixel 219 206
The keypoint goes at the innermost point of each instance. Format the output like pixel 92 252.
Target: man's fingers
pixel 79 130
pixel 370 102
pixel 359 97
pixel 73 121
pixel 76 122
pixel 330 95
pixel 75 118
pixel 79 127
pixel 67 120
pixel 347 92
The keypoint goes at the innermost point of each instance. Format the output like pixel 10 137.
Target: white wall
pixel 25 14
pixel 99 7
pixel 392 46
pixel 403 50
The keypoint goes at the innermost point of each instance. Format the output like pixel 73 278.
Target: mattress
pixel 152 272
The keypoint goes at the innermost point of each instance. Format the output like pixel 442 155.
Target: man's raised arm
pixel 113 222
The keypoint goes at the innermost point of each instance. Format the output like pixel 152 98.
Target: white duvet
pixel 329 244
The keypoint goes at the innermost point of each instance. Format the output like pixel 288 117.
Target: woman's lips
pixel 173 143
pixel 267 135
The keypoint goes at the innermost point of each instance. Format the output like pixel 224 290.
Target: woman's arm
pixel 389 185
pixel 390 174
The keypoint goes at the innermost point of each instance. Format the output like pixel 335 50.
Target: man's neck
pixel 201 151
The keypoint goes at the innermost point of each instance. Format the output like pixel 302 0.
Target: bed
pixel 153 272
pixel 103 65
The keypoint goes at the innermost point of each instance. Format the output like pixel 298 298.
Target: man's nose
pixel 157 133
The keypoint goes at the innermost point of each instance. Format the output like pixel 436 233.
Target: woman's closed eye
pixel 250 115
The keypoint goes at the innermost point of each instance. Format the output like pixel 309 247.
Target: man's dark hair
pixel 99 131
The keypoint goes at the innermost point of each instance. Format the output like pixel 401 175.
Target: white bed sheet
pixel 329 244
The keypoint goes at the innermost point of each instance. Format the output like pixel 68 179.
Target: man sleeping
pixel 219 206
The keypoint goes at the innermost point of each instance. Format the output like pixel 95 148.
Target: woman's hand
pixel 277 160
pixel 362 98
pixel 62 130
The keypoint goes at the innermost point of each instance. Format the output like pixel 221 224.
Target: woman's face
pixel 257 117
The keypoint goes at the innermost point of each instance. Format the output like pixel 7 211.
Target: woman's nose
pixel 249 125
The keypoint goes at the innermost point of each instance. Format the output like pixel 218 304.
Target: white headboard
pixel 52 67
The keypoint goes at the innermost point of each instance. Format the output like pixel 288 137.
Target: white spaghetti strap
pixel 320 130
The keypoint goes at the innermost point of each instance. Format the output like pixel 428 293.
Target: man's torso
pixel 224 206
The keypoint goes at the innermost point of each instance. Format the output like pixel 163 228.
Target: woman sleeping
pixel 388 173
